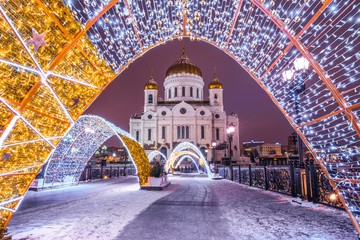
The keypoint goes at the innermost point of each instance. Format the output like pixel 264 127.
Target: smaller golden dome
pixel 215 83
pixel 151 84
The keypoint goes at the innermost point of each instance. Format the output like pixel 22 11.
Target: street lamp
pixel 297 88
pixel 230 132
pixel 213 144
pixel 206 158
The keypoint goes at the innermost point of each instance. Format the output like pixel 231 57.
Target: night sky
pixel 259 117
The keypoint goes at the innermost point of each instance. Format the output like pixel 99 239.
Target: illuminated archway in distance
pixel 187 148
pixel 192 159
pixel 155 153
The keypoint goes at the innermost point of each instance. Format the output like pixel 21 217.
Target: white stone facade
pixel 184 116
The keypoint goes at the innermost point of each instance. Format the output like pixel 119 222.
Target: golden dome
pixel 151 84
pixel 215 83
pixel 183 65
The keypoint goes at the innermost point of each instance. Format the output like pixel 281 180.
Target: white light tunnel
pixel 68 160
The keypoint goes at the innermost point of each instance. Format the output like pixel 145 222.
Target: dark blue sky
pixel 260 119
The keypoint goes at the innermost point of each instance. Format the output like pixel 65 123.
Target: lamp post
pixel 206 158
pixel 213 144
pixel 297 88
pixel 230 132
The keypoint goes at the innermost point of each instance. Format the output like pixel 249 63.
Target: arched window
pixel 169 93
pixel 191 91
pixel 187 132
pixel 175 92
pixel 163 132
pixel 149 134
pixel 182 132
pixel 215 96
pixel 202 132
pixel 150 99
pixel 217 134
pixel 137 135
pixel 183 91
pixel 197 93
pixel 178 132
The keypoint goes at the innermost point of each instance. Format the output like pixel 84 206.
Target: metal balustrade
pixel 93 173
pixel 309 183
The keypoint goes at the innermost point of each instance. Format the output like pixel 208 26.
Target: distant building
pixel 184 115
pixel 111 155
pixel 269 149
pixel 261 149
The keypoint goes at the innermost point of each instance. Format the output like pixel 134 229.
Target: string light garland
pixel 88 43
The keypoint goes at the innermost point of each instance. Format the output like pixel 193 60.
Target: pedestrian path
pixel 193 207
pixel 206 209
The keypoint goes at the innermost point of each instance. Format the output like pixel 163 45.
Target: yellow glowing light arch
pixel 44 92
pixel 183 155
pixel 176 156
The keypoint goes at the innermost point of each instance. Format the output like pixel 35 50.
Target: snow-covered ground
pixel 201 209
pixel 257 214
pixel 96 210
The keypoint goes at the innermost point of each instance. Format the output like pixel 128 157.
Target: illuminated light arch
pixel 46 92
pixel 171 162
pixel 155 153
pixel 192 159
pixel 177 156
pixel 187 148
pixel 79 144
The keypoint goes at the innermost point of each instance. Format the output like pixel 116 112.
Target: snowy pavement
pixel 253 213
pixel 191 208
pixel 97 210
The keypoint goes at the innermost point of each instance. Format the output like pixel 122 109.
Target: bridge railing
pixel 307 182
pixel 105 172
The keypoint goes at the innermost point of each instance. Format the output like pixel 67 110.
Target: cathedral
pixel 184 115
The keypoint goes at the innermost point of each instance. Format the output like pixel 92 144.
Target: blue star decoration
pixel 37 40
pixel 76 101
pixel 6 156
